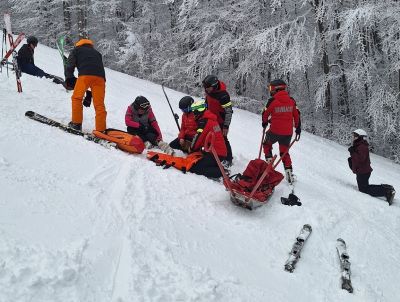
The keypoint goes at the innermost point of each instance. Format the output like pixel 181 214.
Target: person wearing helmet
pixel 360 164
pixel 89 63
pixel 188 126
pixel 141 121
pixel 281 113
pixel 207 122
pixel 26 62
pixel 219 102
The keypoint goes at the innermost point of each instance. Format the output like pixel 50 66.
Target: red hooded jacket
pixel 188 126
pixel 360 161
pixel 281 111
pixel 207 122
pixel 219 103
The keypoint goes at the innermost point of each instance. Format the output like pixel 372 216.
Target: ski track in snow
pixel 80 222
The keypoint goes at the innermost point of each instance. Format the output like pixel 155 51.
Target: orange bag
pixel 181 163
pixel 125 141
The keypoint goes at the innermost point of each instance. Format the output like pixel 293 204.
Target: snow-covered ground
pixel 80 222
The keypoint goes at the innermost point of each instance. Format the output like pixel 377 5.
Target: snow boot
pixel 75 126
pixel 289 175
pixel 390 192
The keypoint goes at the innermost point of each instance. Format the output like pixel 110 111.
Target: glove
pixel 70 82
pixel 264 124
pixel 350 163
pixel 351 149
pixel 88 99
pixel 298 131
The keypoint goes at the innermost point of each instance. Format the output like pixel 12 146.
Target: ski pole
pixel 262 140
pixel 176 117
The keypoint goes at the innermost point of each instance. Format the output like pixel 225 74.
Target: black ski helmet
pixel 210 81
pixel 141 103
pixel 32 40
pixel 276 85
pixel 186 102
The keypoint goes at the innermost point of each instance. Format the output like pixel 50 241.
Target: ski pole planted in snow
pixel 176 117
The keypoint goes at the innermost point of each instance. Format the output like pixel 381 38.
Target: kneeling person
pixel 188 126
pixel 206 123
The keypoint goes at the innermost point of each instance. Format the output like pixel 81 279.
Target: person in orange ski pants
pixel 91 75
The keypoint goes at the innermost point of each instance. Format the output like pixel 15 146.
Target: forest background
pixel 341 59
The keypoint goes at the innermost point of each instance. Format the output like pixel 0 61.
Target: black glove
pixel 351 149
pixel 350 163
pixel 292 200
pixel 264 124
pixel 298 131
pixel 70 82
pixel 88 99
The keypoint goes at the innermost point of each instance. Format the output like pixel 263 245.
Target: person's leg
pixel 77 96
pixel 32 70
pixel 98 88
pixel 229 156
pixel 206 166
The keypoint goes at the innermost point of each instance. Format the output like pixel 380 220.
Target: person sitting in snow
pixel 26 61
pixel 141 121
pixel 281 112
pixel 360 164
pixel 188 126
pixel 206 123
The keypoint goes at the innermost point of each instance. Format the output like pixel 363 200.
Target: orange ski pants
pixel 98 87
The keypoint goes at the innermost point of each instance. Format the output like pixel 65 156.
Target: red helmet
pixel 276 85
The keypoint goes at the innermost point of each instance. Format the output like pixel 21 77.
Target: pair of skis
pixel 12 51
pixel 297 247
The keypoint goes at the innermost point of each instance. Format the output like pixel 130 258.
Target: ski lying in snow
pixel 88 136
pixel 294 255
pixel 344 265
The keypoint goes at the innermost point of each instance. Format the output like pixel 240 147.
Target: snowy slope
pixel 79 222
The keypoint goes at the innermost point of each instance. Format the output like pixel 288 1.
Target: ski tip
pixel 341 240
pixel 308 227
pixel 29 113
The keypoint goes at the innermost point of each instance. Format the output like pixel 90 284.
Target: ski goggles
pixel 187 109
pixel 144 106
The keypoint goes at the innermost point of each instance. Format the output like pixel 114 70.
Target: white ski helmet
pixel 360 132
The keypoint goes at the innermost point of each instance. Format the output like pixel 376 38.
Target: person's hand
pixel 70 82
pixel 88 99
pixel 264 124
pixel 298 131
pixel 181 142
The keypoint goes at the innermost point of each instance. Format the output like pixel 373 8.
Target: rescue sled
pixel 125 141
pixel 253 188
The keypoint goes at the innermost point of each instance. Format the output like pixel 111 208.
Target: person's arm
pixel 267 113
pixel 153 122
pixel 128 119
pixel 70 66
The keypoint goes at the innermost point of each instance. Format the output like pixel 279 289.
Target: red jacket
pixel 188 126
pixel 219 103
pixel 360 162
pixel 133 119
pixel 281 111
pixel 208 123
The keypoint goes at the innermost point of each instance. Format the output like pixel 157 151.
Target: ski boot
pixel 289 175
pixel 389 194
pixel 75 126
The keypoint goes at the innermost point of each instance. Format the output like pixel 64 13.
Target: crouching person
pixel 360 164
pixel 188 126
pixel 206 123
pixel 141 121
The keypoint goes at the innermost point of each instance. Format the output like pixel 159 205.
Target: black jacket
pixel 86 59
pixel 25 55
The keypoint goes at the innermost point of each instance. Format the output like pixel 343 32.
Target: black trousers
pixel 207 166
pixel 150 135
pixel 365 187
pixel 176 145
pixel 229 156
